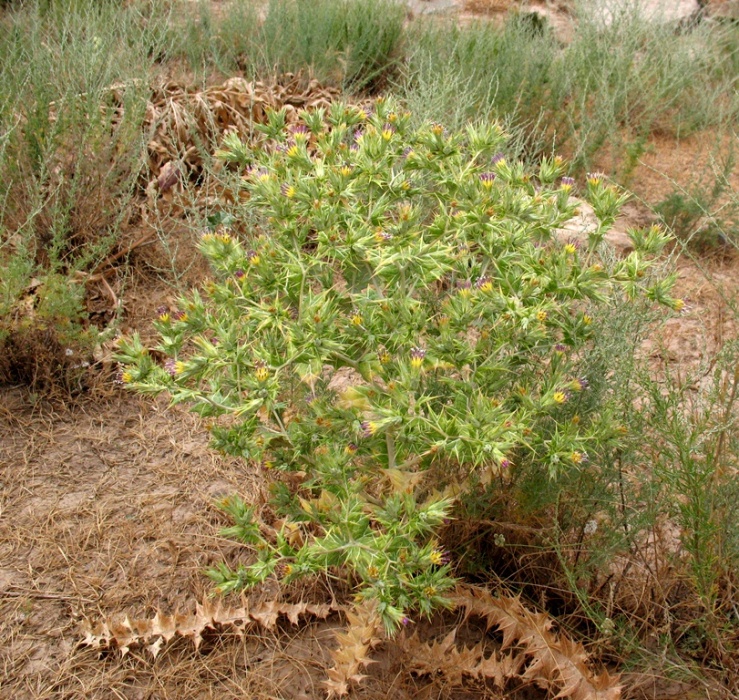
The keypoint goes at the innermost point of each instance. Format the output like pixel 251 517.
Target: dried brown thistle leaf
pixel 361 635
pixel 153 633
pixel 455 664
pixel 555 663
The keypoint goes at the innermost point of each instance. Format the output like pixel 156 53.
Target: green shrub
pixel 399 325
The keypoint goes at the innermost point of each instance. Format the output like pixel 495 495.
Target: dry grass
pixel 106 510
pixel 105 507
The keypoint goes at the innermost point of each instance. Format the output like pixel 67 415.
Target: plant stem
pixel 390 441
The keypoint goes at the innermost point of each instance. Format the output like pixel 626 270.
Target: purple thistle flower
pixel 161 310
pixel 239 274
pixel 407 151
pixel 505 463
pixel 484 284
pixel 487 179
pixel 417 356
pixel 464 287
pixel 178 315
pixel 567 182
pixel 358 134
pixel 298 129
pixel 405 621
pixel 171 367
pixel 497 158
pixel 560 347
pixel 368 428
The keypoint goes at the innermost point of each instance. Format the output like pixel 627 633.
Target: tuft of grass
pixel 352 43
pixel 611 87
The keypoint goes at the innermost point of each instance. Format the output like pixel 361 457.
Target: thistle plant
pixel 399 325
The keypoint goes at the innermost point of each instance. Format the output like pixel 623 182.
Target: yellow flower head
pixel 484 284
pixel 369 428
pixel 261 371
pixel 559 397
pixel 417 357
pixel 437 558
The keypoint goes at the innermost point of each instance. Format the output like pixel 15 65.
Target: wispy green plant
pixel 75 79
pixel 695 459
pixel 610 87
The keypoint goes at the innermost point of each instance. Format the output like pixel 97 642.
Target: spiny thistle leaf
pixel 362 634
pixel 152 633
pixel 456 664
pixel 555 663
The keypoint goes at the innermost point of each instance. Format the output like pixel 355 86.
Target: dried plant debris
pixel 530 651
pixel 363 633
pixel 553 662
pixel 457 664
pixel 152 633
pixel 184 124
